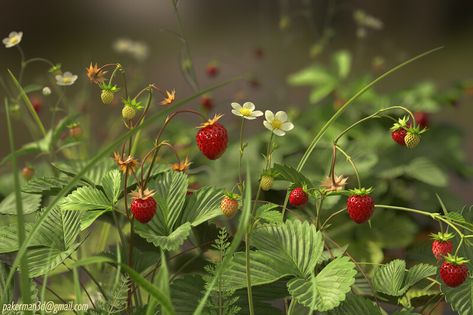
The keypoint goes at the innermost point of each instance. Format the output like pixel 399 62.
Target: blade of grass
pixel 94 160
pixel 238 237
pixel 27 101
pixel 25 286
pixel 77 287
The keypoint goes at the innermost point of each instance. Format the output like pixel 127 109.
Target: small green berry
pixel 107 96
pixel 266 182
pixel 128 112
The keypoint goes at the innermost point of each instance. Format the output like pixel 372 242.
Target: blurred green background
pixel 76 33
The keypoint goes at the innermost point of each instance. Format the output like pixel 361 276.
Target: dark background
pixel 75 33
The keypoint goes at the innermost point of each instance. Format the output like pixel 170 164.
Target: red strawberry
pixel 212 70
pixel 207 102
pixel 398 130
pixel 229 205
pixel 360 205
pixel 422 119
pixel 212 138
pixel 442 245
pixel 298 197
pixel 143 205
pixel 37 103
pixel 454 271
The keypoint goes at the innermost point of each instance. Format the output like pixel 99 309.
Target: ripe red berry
pixel 212 70
pixel 360 205
pixel 442 245
pixel 422 119
pixel 143 206
pixel 212 138
pixel 398 135
pixel 37 103
pixel 207 103
pixel 453 272
pixel 298 197
pixel 229 205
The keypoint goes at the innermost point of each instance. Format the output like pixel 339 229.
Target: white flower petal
pixel 287 126
pixel 67 74
pixel 249 105
pixel 282 116
pixel 257 113
pixel 249 117
pixel 236 112
pixel 236 106
pixel 279 132
pixel 268 125
pixel 269 115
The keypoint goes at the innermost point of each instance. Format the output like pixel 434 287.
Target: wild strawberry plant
pixel 281 222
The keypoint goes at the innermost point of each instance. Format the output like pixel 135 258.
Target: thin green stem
pixel 242 149
pixel 248 272
pixel 25 286
pixel 350 160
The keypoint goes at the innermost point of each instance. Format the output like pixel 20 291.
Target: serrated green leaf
pixel 268 214
pixel 46 185
pixel 86 198
pixel 43 260
pixel 185 292
pixel 111 184
pixel 31 203
pixel 356 305
pixel 290 174
pixel 326 290
pixel 293 244
pixel 202 206
pixel 426 171
pixel 165 241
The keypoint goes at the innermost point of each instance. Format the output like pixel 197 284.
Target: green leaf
pixel 202 206
pixel 60 229
pixel 9 238
pixel 43 260
pixel 342 61
pixel 86 198
pixel 160 239
pixel 185 292
pixel 263 271
pixel 354 305
pixel 290 174
pixel 295 245
pixel 393 279
pixel 427 172
pixel 162 280
pixel 31 203
pixel 111 183
pixel 322 91
pixel 46 185
pixel 312 76
pixel 326 290
pixel 267 213
pixel 461 297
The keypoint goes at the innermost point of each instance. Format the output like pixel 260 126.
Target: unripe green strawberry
pixel 412 140
pixel 107 96
pixel 128 112
pixel 266 182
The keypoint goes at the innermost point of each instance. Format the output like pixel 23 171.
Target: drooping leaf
pixel 165 241
pixel 328 288
pixel 290 174
pixel 31 203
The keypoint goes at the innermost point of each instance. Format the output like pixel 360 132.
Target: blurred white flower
pixel 138 50
pixel 66 79
pixel 46 91
pixel 246 111
pixel 277 123
pixel 13 39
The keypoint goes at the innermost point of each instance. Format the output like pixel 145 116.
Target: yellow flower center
pixel 276 124
pixel 66 80
pixel 245 111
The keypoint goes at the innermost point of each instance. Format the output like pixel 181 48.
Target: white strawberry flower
pixel 246 111
pixel 13 39
pixel 66 79
pixel 277 123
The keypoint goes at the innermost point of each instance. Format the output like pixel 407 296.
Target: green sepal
pixel 132 103
pixel 231 195
pixel 361 191
pixel 109 87
pixel 401 123
pixel 455 260
pixel 442 236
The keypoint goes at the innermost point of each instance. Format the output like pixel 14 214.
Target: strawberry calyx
pixel 402 123
pixel 210 122
pixel 443 237
pixel 415 130
pixel 231 195
pixel 142 194
pixel 455 260
pixel 109 87
pixel 360 191
pixel 133 103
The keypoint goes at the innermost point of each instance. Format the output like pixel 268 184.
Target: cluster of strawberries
pixel 407 135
